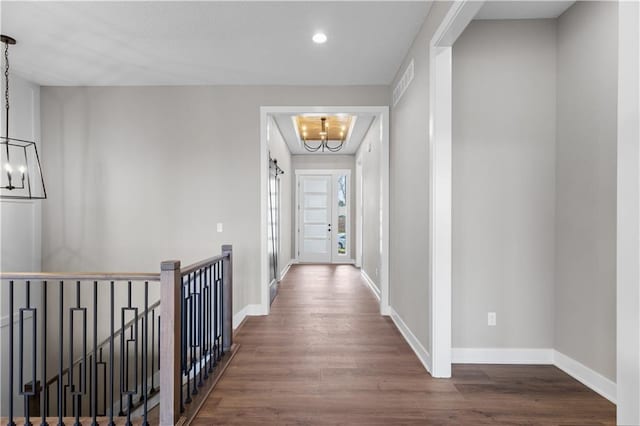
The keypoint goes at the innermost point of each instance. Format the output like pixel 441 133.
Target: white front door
pixel 315 216
pixel 323 217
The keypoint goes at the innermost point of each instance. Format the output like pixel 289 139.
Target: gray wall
pixel 329 162
pixel 409 187
pixel 279 151
pixel 142 174
pixel 585 303
pixel 504 96
pixel 368 156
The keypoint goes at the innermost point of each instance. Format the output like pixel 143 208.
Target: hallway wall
pixel 409 188
pixel 503 170
pixel 138 175
pixel 369 156
pixel 279 151
pixel 585 306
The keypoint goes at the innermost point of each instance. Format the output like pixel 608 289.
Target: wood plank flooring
pixel 326 356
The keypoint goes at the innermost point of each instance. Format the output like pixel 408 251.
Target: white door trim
pixel 440 94
pixel 383 112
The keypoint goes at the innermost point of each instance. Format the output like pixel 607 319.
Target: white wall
pixel 20 246
pixel 369 157
pixel 279 151
pixel 585 297
pixel 329 162
pixel 409 187
pixel 143 174
pixel 504 96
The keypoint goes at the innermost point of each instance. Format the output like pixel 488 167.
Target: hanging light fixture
pixel 324 141
pixel 21 174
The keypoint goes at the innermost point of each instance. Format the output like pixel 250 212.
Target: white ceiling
pixel 180 43
pixel 285 123
pixel 510 9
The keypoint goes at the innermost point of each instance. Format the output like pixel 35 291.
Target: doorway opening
pixel 319 193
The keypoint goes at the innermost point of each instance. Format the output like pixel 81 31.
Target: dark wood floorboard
pixel 326 356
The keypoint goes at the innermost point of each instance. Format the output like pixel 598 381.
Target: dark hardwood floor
pixel 326 356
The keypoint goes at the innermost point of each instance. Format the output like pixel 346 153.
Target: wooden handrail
pixel 201 264
pixel 80 276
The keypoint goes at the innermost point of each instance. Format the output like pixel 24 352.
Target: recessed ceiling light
pixel 319 38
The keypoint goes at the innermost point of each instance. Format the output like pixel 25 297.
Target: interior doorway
pixel 323 216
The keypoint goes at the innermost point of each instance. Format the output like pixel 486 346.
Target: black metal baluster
pixel 200 323
pixel 11 390
pixel 215 317
pixel 61 395
pixel 194 341
pixel 153 349
pixel 22 350
pixel 94 366
pixel 145 353
pixel 185 339
pixel 205 330
pixel 44 401
pixel 124 369
pixel 82 367
pixel 222 272
pixel 112 362
pixel 103 367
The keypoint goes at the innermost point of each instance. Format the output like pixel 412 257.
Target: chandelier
pixel 21 174
pixel 322 140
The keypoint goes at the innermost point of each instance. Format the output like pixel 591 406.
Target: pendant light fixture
pixel 323 143
pixel 21 174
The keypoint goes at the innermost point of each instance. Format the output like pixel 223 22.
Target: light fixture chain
pixel 6 75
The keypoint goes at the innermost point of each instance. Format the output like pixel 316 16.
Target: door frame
pixel 440 144
pixel 265 113
pixel 323 172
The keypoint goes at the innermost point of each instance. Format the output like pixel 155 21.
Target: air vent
pixel 404 82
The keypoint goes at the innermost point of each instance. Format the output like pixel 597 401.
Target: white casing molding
pixel 286 269
pixel 412 340
pixel 374 289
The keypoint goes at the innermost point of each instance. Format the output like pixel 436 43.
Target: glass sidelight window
pixel 342 214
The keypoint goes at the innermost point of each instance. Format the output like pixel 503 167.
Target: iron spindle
pixel 145 352
pixel 11 390
pixel 60 361
pixel 94 366
pixel 44 401
pixel 111 360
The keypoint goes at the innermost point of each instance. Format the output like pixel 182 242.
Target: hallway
pixel 326 356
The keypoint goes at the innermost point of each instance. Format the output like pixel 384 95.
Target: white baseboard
pixel 412 340
pixel 285 270
pixel 370 284
pixel 592 379
pixel 588 377
pixel 247 311
pixel 501 356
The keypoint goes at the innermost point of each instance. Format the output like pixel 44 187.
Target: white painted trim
pixel 372 286
pixel 412 340
pixel 501 356
pixel 588 377
pixel 628 215
pixel 383 112
pixel 323 172
pixel 440 129
pixel 250 310
pixel 285 270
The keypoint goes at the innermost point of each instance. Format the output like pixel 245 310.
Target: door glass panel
pixel 316 216
pixel 315 185
pixel 315 246
pixel 315 201
pixel 315 231
pixel 342 215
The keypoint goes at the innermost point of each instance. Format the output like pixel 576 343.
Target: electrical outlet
pixel 219 227
pixel 491 319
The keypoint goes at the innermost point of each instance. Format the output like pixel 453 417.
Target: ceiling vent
pixel 404 82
